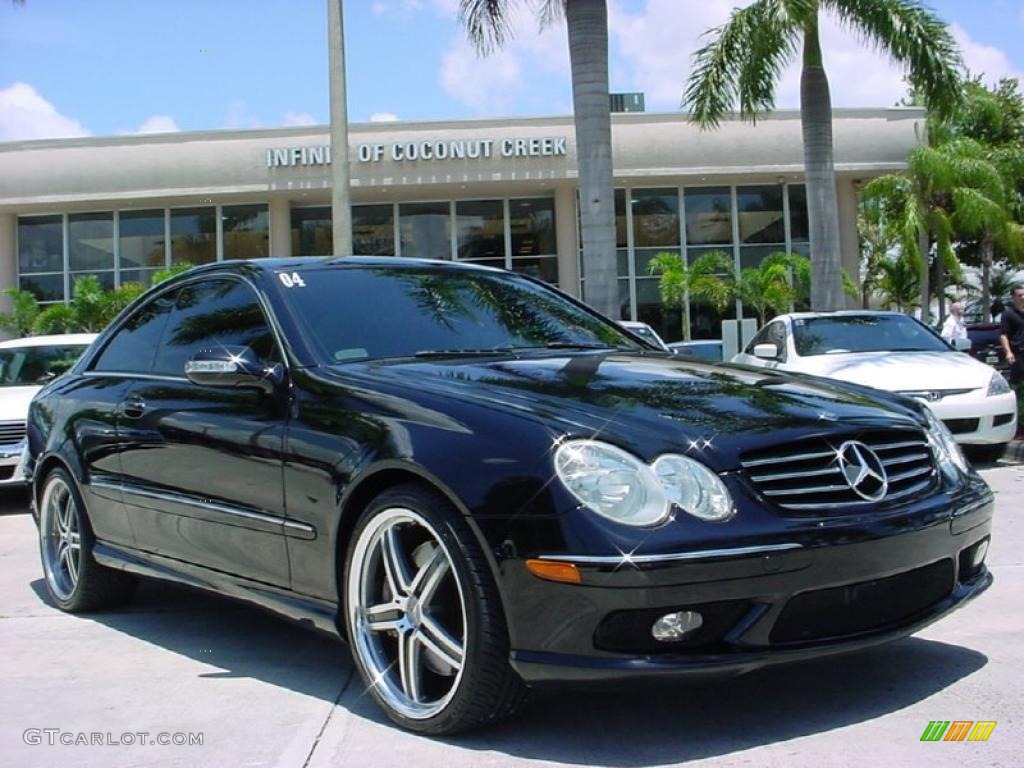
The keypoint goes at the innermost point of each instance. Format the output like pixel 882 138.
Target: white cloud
pixel 982 59
pixel 383 117
pixel 159 124
pixel 491 83
pixel 404 8
pixel 25 114
pixel 237 116
pixel 299 118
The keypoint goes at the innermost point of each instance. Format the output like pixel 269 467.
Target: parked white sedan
pixel 25 366
pixel 891 351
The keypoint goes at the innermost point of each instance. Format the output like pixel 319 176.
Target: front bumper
pixel 12 463
pixel 975 419
pixel 560 631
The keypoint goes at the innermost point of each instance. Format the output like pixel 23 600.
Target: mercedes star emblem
pixel 863 470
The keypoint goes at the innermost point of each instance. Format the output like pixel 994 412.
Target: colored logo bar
pixel 958 730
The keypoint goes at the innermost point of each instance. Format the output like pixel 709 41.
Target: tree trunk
pixel 822 205
pixel 987 246
pixel 341 211
pixel 925 246
pixel 587 22
pixel 940 287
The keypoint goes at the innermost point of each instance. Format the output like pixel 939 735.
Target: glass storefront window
pixel 41 244
pixel 708 216
pixel 621 228
pixel 373 230
pixel 753 255
pixel 543 267
pixel 44 287
pixel 667 321
pixel 799 228
pixel 425 230
pixel 312 233
pixel 193 235
pixel 480 230
pixel 655 218
pixel 90 241
pixel 106 280
pixel 246 231
pixel 532 225
pixel 141 236
pixel 760 213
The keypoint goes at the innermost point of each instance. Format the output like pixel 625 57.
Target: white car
pixel 25 366
pixel 891 351
pixel 645 332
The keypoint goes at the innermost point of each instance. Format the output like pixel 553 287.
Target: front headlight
pixel 951 458
pixel 618 486
pixel 998 385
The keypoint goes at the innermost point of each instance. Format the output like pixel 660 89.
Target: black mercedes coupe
pixel 486 487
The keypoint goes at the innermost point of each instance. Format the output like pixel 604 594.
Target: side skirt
pixel 314 614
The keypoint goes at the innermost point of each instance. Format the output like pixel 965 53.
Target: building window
pixel 141 244
pixel 534 244
pixel 193 235
pixel 425 230
pixel 373 230
pixel 91 247
pixel 41 256
pixel 762 223
pixel 312 233
pixel 246 231
pixel 480 231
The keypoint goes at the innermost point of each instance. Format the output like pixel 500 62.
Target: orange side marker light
pixel 552 570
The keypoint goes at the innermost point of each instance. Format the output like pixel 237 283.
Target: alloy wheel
pixel 61 538
pixel 407 613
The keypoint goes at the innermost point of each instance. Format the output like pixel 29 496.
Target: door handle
pixel 133 407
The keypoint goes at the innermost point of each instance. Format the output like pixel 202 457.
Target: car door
pixel 95 401
pixel 202 465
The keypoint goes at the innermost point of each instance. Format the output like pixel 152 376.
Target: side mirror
pixel 962 345
pixel 233 367
pixel 766 351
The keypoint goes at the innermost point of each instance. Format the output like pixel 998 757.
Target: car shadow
pixel 14 501
pixel 649 727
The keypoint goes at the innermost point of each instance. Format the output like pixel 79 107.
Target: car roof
pixel 328 262
pixel 53 340
pixel 841 313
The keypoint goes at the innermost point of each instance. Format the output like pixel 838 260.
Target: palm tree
pixel 487 24
pixel 341 211
pixel 745 57
pixel 777 283
pixel 897 282
pixel 877 239
pixel 711 277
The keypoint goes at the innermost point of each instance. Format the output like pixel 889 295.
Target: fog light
pixel 675 626
pixel 979 553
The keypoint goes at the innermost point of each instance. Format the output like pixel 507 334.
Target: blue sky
pixel 103 67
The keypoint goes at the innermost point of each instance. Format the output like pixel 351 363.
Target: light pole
pixel 341 211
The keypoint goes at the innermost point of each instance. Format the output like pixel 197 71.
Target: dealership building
pixel 497 192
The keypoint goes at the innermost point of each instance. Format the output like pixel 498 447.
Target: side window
pixel 212 314
pixel 134 346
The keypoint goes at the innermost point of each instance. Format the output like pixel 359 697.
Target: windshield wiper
pixel 428 353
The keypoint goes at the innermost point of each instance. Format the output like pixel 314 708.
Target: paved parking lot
pixel 264 692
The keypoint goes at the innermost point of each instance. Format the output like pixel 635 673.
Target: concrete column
pixel 848 197
pixel 566 240
pixel 280 227
pixel 8 257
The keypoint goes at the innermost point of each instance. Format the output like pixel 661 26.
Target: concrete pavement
pixel 266 693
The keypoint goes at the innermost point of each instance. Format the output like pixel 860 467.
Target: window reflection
pixel 373 230
pixel 246 231
pixel 655 218
pixel 480 227
pixel 193 235
pixel 425 230
pixel 41 250
pixel 312 232
pixel 708 216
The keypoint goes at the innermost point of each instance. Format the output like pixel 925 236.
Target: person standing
pixel 954 327
pixel 1011 335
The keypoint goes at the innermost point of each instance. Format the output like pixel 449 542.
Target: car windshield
pixel 863 333
pixel 374 313
pixel 31 366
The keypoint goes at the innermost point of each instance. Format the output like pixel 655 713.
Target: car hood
pixel 645 402
pixel 901 371
pixel 14 402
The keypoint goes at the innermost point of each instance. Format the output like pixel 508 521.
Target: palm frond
pixel 915 38
pixel 487 23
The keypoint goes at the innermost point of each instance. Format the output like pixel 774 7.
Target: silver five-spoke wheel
pixel 61 538
pixel 407 613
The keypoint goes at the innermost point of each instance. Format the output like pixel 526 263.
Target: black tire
pixel 486 689
pixel 92 586
pixel 986 454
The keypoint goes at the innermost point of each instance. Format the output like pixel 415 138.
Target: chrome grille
pixel 11 431
pixel 805 476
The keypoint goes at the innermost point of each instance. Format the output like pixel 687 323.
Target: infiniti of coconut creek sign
pixel 429 149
